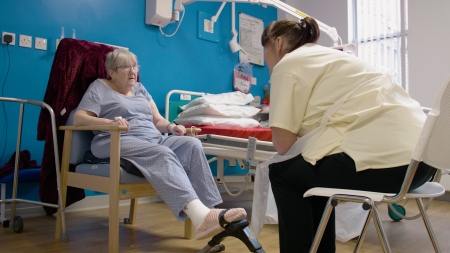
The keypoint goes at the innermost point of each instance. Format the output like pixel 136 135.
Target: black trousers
pixel 299 217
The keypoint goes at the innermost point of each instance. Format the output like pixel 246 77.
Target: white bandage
pixel 117 118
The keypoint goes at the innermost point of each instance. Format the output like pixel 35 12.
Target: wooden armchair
pixel 77 141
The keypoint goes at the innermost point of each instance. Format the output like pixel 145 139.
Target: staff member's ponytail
pixel 295 34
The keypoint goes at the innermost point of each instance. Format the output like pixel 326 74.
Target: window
pixel 378 35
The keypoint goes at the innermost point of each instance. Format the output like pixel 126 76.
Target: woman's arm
pixel 87 118
pixel 163 125
pixel 282 139
pixel 289 97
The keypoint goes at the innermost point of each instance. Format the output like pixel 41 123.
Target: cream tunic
pixel 378 126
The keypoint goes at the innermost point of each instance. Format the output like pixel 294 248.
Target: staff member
pixel 365 142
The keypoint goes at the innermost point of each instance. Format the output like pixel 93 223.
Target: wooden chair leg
pixel 133 211
pixel 113 223
pixel 114 177
pixel 188 229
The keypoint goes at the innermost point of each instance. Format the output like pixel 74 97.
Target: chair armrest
pixel 94 128
pixel 193 130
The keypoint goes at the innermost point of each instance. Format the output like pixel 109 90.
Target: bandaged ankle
pixel 197 211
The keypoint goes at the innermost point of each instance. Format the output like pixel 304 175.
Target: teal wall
pixel 181 62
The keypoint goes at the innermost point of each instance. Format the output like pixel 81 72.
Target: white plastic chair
pixel 433 148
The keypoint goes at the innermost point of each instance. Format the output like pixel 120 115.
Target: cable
pixel 3 103
pixel 220 173
pixel 409 217
pixel 177 26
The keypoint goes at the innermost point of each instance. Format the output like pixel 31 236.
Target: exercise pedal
pixel 239 230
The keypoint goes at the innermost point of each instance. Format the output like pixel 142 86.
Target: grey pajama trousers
pixel 175 166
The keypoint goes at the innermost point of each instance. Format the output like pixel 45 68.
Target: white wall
pixel 429 48
pixel 429 52
pixel 330 12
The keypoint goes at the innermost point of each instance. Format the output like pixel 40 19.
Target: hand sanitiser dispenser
pixel 158 12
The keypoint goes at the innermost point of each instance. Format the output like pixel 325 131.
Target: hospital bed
pixel 224 144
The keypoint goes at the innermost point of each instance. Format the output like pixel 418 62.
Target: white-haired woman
pixel 176 166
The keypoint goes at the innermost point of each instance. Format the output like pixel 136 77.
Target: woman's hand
pixel 178 130
pixel 121 122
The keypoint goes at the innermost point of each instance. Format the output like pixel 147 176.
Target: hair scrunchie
pixel 304 23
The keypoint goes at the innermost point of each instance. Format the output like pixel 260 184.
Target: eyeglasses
pixel 128 68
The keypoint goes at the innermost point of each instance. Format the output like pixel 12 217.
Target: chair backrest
pixel 433 147
pixel 81 142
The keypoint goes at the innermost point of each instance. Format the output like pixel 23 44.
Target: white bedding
pixel 208 120
pixel 230 98
pixel 235 111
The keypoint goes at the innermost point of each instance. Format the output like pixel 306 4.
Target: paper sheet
pixel 250 31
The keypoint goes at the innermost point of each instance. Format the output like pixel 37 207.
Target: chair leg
pixel 323 224
pixel 114 179
pixel 380 230
pixel 423 212
pixel 113 223
pixel 363 232
pixel 188 229
pixel 133 211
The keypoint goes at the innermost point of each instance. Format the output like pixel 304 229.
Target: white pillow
pixel 234 111
pixel 264 124
pixel 230 98
pixel 218 121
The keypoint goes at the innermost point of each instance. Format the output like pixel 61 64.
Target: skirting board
pixel 102 201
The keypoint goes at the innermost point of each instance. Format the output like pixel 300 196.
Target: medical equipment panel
pixel 158 12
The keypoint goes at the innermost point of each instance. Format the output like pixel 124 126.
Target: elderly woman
pixel 358 129
pixel 175 166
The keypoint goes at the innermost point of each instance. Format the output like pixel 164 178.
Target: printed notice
pixel 250 31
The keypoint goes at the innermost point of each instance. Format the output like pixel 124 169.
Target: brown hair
pixel 295 34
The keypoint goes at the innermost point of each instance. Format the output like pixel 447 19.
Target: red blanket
pixel 262 134
pixel 76 65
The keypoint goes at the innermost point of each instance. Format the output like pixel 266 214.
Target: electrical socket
pixel 25 41
pixel 40 43
pixel 254 80
pixel 13 40
pixel 207 26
